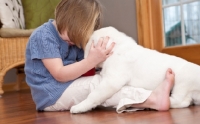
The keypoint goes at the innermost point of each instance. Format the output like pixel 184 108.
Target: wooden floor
pixel 18 108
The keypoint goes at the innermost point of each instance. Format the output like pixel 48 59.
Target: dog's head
pixel 103 32
pixel 115 36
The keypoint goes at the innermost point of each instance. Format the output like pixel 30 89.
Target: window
pixel 181 22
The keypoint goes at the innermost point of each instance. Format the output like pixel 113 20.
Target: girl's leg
pixel 75 93
pixel 82 87
pixel 127 97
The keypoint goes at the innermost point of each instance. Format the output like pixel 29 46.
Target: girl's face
pixel 65 37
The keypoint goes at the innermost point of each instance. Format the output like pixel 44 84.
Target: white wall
pixel 121 14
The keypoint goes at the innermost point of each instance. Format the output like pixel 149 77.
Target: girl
pixel 54 62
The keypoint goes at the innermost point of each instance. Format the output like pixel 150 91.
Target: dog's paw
pixel 80 108
pixel 77 109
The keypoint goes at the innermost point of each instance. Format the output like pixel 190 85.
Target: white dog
pixel 132 64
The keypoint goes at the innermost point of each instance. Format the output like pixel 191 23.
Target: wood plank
pixel 150 23
pixel 189 52
pixel 18 108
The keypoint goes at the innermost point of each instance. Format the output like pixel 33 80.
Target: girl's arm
pixel 62 73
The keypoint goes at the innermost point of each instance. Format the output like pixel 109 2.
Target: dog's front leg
pixel 108 87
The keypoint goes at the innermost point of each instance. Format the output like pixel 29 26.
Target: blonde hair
pixel 79 18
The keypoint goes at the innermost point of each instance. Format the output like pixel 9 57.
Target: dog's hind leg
pixel 180 100
pixel 196 97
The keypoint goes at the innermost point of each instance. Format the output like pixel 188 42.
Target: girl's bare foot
pixel 159 99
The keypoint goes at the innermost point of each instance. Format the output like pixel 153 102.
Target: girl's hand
pixel 100 53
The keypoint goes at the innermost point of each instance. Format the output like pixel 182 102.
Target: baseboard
pixel 15 87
